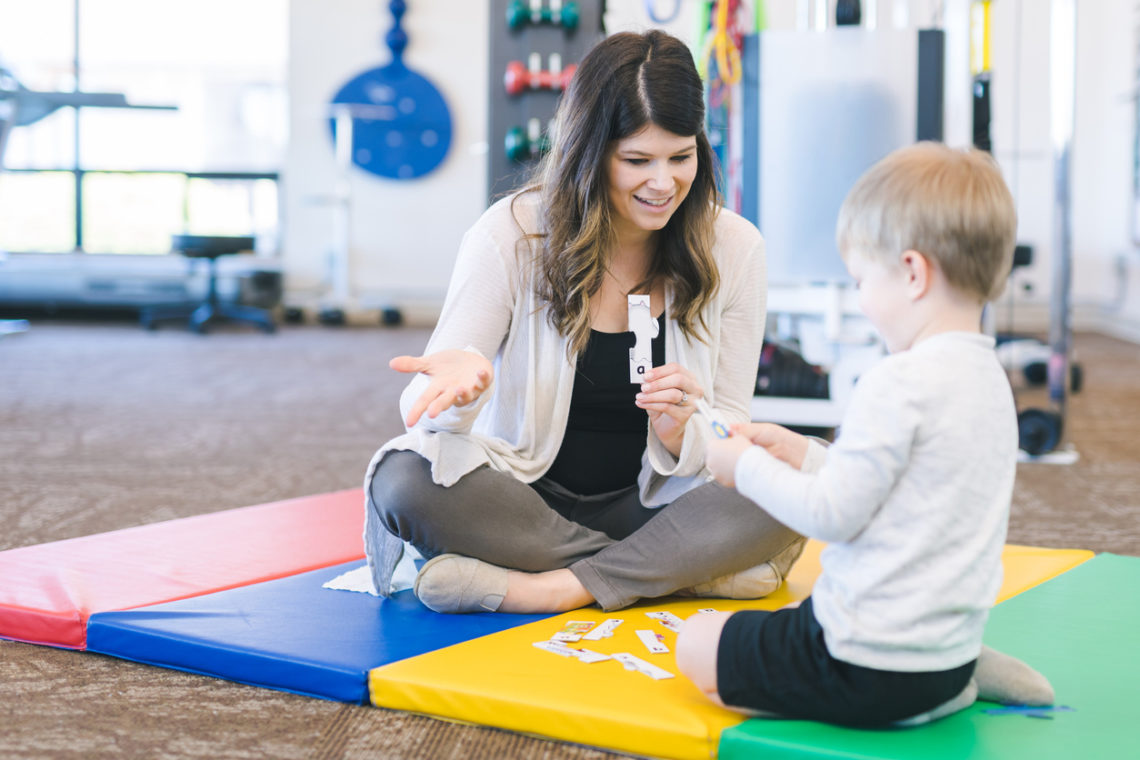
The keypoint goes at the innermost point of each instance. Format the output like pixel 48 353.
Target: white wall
pixel 404 234
pixel 1101 158
pixel 1108 46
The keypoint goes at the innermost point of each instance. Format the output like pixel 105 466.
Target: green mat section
pixel 1081 629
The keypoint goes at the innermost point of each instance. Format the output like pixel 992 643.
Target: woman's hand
pixel 786 445
pixel 667 395
pixel 457 378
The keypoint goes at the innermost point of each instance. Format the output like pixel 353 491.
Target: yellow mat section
pixel 502 680
pixel 1029 566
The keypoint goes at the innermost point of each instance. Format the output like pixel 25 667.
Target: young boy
pixel 913 496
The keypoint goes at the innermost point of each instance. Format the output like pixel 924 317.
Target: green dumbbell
pixel 520 12
pixel 525 144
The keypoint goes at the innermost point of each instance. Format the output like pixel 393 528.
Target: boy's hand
pixel 786 445
pixel 721 457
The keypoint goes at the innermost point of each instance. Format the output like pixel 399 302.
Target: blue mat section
pixel 288 634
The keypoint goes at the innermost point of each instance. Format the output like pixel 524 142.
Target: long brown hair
pixel 626 82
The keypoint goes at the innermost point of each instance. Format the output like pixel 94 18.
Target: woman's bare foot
pixel 552 591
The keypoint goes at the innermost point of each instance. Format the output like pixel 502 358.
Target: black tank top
pixel 605 433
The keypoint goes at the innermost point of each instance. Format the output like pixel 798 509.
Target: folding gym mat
pixel 50 590
pixel 1079 629
pixel 504 680
pixel 289 634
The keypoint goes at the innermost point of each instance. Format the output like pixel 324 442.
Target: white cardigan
pixel 516 426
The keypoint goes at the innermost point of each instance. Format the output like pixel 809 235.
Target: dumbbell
pixel 522 145
pixel 519 78
pixel 520 13
pixel 1038 431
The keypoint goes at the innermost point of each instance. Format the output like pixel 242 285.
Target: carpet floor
pixel 106 426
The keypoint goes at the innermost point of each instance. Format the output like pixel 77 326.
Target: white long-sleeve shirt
pixel 517 425
pixel 913 497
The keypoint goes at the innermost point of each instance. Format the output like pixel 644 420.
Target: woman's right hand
pixel 457 378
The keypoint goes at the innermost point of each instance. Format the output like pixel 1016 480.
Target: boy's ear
pixel 919 271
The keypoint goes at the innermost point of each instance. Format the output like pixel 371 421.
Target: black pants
pixel 778 662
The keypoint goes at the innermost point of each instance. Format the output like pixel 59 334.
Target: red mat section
pixel 48 591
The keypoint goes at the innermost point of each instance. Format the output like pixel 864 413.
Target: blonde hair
pixel 950 205
pixel 626 82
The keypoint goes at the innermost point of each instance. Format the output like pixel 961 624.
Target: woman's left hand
pixel 668 395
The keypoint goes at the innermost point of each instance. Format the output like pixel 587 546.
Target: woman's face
pixel 650 173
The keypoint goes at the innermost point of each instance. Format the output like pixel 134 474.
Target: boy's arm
pixel 815 456
pixel 721 456
pixel 858 472
pixel 786 445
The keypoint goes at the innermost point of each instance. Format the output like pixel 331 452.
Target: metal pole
pixel 342 233
pixel 1062 75
pixel 77 171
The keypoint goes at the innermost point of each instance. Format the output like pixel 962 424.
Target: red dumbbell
pixel 519 78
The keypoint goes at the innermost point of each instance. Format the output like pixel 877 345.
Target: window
pixel 123 180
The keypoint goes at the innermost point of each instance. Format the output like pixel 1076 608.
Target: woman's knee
pixel 400 487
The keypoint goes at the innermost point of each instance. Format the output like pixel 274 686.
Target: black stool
pixel 210 310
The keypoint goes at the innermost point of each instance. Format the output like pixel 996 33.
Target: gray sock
pixel 1010 681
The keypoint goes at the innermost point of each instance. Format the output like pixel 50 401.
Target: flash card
pixel 605 629
pixel 644 328
pixel 719 428
pixel 583 655
pixel 630 662
pixel 653 641
pixel 573 630
pixel 667 619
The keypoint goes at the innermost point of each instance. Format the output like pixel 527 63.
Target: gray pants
pixel 618 549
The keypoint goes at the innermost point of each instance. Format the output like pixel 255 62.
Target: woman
pixel 534 475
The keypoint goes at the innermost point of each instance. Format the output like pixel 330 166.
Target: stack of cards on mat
pixel 574 631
